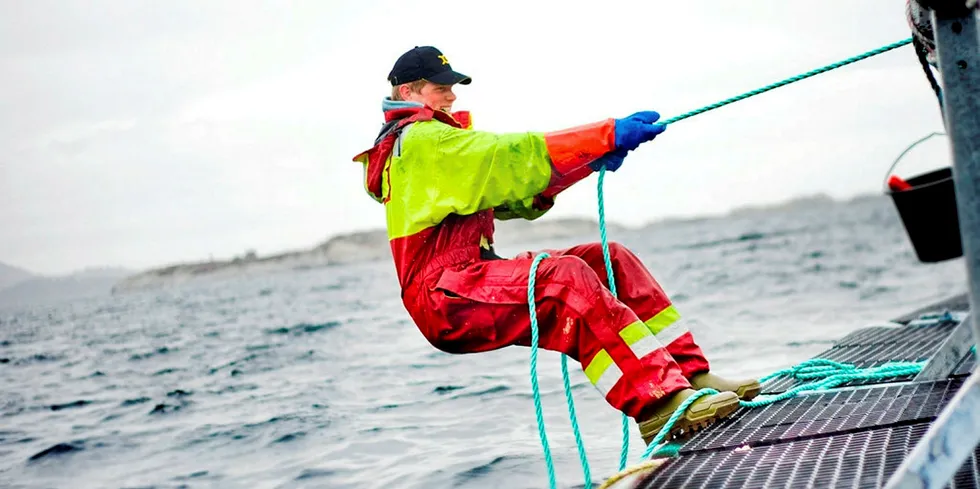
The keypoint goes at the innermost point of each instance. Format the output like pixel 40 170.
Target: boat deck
pixel 854 436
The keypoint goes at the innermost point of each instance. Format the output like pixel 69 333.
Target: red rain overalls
pixel 635 349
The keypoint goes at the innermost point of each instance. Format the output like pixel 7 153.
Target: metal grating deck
pixel 853 460
pixel 828 413
pixel 854 437
pixel 877 345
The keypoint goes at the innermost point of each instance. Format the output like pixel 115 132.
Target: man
pixel 443 184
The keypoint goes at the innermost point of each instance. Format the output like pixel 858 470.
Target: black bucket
pixel 928 211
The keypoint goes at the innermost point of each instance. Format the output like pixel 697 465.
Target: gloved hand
pixel 637 129
pixel 612 160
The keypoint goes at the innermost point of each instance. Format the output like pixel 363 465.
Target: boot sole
pixel 694 421
pixel 749 391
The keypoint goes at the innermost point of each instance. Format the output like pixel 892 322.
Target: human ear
pixel 404 91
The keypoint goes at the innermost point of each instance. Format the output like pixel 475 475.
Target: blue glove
pixel 637 129
pixel 612 160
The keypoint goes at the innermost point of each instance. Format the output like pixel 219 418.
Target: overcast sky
pixel 139 133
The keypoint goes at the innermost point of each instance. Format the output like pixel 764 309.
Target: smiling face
pixel 434 95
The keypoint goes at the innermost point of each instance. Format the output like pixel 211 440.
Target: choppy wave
pixel 318 378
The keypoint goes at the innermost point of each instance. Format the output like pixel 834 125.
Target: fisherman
pixel 443 184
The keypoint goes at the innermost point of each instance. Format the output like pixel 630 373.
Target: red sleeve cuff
pixel 573 148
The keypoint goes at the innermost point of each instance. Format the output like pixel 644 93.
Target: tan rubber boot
pixel 745 389
pixel 700 414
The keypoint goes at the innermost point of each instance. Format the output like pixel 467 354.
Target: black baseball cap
pixel 428 63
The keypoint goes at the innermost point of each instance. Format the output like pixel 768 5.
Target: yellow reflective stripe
pixel 598 366
pixel 663 319
pixel 666 327
pixel 634 332
pixel 640 339
pixel 603 373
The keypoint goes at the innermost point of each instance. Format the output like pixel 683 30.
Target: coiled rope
pixel 612 287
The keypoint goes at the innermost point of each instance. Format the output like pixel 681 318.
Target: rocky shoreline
pixel 357 247
pixel 367 246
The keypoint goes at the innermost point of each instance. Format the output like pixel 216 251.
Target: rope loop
pixel 833 373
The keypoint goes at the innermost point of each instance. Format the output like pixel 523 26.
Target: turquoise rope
pixel 612 287
pixel 787 81
pixel 575 429
pixel 832 373
pixel 624 452
pixel 534 372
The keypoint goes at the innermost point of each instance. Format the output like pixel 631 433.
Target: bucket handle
pixel 923 139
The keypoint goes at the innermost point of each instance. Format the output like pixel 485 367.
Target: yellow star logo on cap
pixel 444 60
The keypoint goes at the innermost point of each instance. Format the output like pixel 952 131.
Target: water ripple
pixel 318 378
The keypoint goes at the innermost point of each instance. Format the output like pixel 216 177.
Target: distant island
pixel 348 248
pixel 366 246
pixel 22 287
